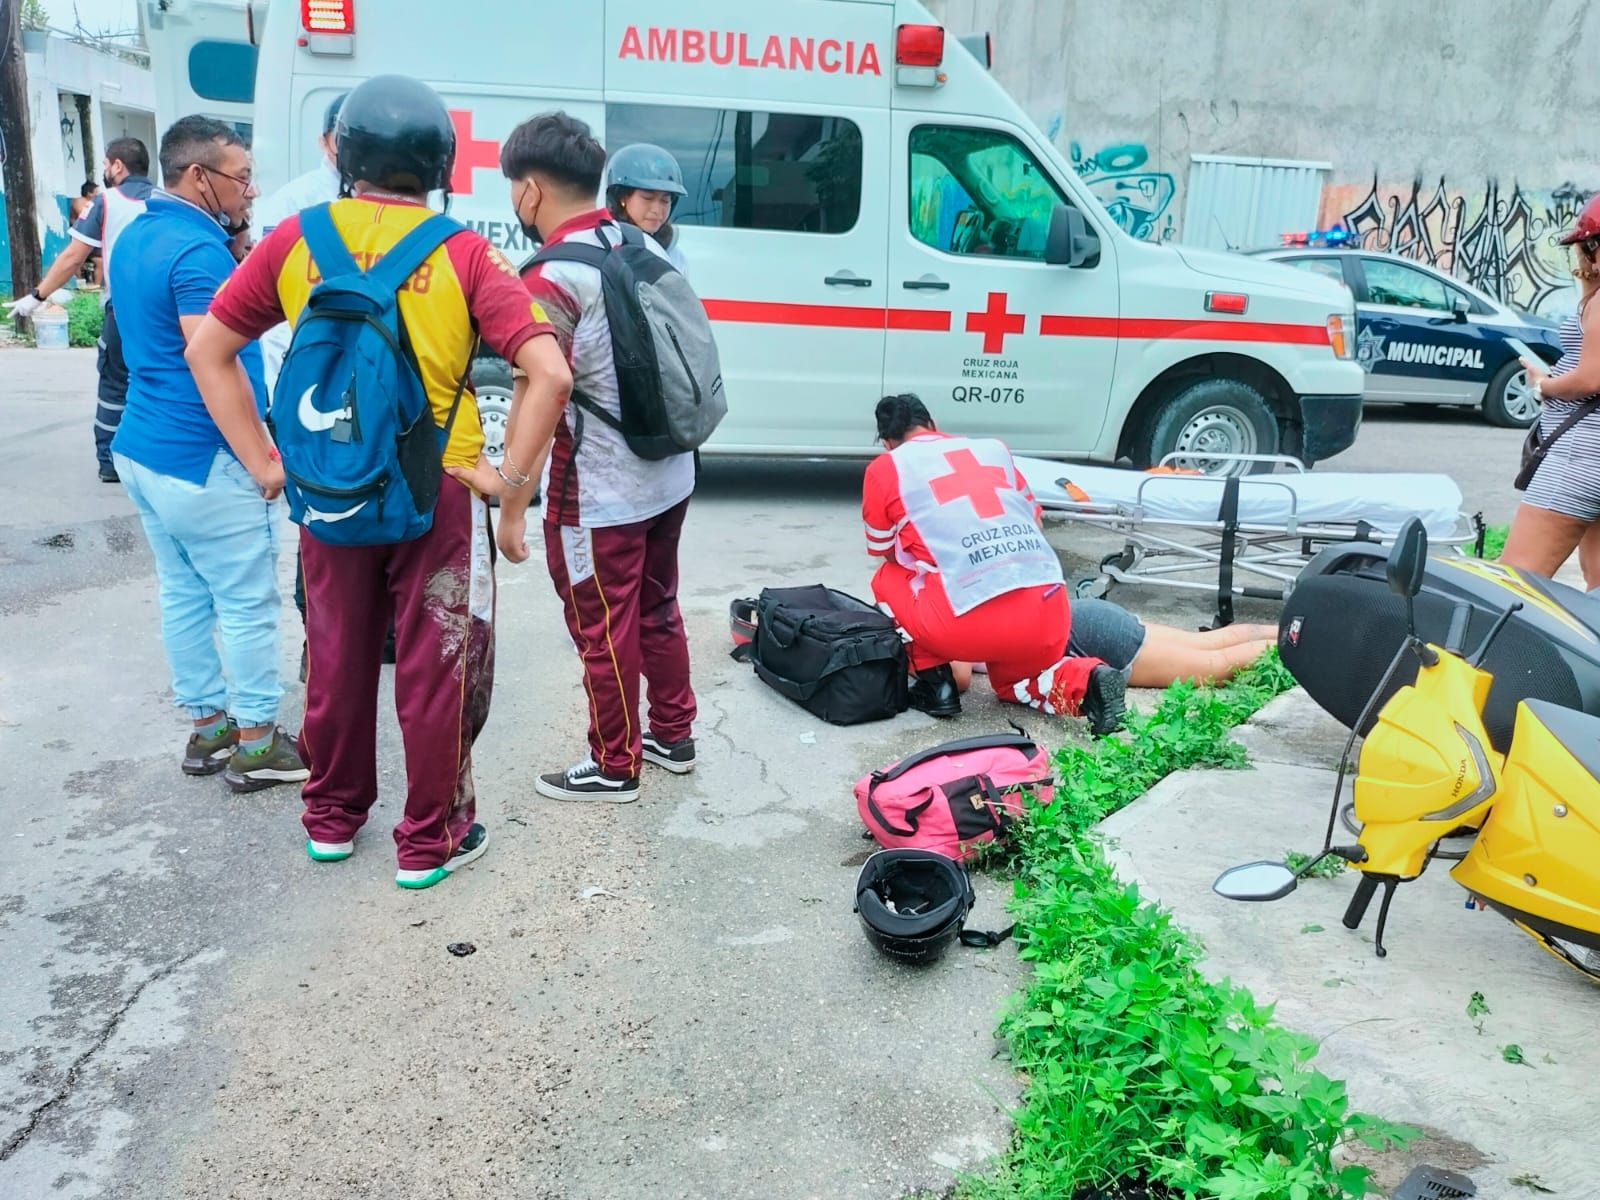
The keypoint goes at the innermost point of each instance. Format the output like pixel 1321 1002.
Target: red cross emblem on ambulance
pixel 995 322
pixel 471 152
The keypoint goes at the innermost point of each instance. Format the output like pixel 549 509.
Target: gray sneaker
pixel 208 755
pixel 278 763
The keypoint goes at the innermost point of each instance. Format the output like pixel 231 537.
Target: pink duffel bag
pixel 956 796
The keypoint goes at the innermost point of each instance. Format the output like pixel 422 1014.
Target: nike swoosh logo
pixel 313 514
pixel 313 418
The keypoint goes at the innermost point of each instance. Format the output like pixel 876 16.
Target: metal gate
pixel 1247 203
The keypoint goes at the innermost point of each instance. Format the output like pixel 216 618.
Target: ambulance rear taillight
pixel 328 16
pixel 1341 335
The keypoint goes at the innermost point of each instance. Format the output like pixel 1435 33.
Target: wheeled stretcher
pixel 1240 536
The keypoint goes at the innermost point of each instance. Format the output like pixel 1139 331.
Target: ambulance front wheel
pixel 1509 401
pixel 1218 417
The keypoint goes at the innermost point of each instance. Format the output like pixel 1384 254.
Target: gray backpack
pixel 669 377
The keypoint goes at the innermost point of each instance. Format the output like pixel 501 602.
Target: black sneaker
pixel 108 474
pixel 208 755
pixel 586 781
pixel 278 763
pixel 1105 701
pixel 471 849
pixel 677 757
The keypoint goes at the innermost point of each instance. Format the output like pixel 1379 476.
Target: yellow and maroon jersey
pixel 465 285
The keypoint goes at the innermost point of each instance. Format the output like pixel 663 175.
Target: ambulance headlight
pixel 1342 334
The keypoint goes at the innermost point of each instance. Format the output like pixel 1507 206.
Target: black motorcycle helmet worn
pixel 394 132
pixel 912 903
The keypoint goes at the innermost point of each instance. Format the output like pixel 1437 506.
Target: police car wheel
pixel 1222 416
pixel 1508 401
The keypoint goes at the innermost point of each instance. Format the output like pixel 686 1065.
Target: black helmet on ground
pixel 912 903
pixel 394 133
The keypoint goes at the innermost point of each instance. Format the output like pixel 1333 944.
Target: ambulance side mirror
pixel 1069 243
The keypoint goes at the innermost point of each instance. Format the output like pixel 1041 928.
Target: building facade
pixel 1422 126
pixel 79 100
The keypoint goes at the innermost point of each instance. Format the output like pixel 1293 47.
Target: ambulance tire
pixel 491 383
pixel 1223 415
pixel 1507 402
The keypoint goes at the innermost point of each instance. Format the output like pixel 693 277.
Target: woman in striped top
pixel 1560 511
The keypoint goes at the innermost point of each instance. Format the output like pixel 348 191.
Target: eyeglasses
pixel 246 181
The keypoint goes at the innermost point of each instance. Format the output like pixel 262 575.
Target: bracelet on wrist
pixel 507 460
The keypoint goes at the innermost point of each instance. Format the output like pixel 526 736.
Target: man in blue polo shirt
pixel 209 525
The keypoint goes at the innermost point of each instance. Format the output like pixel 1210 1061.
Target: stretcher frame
pixel 1162 552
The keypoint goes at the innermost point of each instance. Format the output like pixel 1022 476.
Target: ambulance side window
pixel 979 191
pixel 1397 284
pixel 753 170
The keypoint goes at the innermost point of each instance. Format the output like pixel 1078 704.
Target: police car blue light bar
pixel 1336 236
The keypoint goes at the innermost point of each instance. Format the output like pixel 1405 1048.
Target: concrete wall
pixel 121 101
pixel 1460 133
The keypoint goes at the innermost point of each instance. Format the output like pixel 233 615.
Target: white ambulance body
pixel 868 213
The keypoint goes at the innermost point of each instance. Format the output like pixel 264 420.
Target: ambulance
pixel 868 213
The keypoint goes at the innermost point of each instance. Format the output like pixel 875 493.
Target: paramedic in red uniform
pixel 968 575
pixel 395 145
pixel 611 519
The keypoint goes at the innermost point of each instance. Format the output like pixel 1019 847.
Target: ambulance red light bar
pixel 1227 302
pixel 918 45
pixel 328 16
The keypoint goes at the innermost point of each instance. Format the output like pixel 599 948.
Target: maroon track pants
pixel 439 589
pixel 619 592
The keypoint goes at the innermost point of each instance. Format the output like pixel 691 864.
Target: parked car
pixel 1425 337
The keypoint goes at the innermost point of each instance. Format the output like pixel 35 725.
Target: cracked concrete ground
pixel 189 1008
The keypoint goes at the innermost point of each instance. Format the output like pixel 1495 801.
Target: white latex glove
pixel 23 307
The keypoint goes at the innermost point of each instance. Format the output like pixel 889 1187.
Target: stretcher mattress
pixel 1384 502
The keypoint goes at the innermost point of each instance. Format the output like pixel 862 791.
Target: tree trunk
pixel 22 223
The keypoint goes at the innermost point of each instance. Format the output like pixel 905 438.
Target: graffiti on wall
pixel 1501 240
pixel 1138 197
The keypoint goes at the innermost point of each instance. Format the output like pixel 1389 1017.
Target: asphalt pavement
pixel 666 999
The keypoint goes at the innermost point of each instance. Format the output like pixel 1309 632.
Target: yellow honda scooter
pixel 1427 770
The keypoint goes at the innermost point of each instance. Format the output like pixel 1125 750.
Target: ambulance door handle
pixel 847 281
pixel 926 284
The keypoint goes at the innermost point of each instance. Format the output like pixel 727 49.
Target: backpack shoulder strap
pixel 328 251
pixel 411 251
pixel 578 252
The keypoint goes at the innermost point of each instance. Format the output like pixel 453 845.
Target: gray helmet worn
pixel 644 167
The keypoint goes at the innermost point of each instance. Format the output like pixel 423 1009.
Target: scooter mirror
pixel 1256 881
pixel 1408 559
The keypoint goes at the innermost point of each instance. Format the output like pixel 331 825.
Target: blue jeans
pixel 216 553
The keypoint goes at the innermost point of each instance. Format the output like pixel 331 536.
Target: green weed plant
pixel 1141 1072
pixel 84 319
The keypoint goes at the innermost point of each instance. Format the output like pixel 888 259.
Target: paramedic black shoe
pixel 108 474
pixel 586 781
pixel 677 757
pixel 934 692
pixel 1105 700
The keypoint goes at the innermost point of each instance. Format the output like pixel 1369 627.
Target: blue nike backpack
pixel 362 454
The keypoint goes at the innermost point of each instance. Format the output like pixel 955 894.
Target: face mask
pixel 529 229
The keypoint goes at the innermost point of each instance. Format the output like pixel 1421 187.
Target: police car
pixel 1425 337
